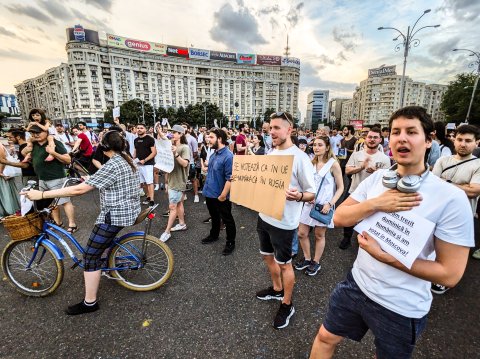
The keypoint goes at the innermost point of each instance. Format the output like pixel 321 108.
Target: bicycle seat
pixel 141 217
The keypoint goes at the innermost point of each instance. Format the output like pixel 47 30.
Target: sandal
pixel 72 229
pixel 58 224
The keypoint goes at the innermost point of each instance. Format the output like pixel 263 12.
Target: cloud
pixel 17 55
pixel 236 29
pixel 101 4
pixel 293 16
pixel 311 78
pixel 30 11
pixel 443 49
pixel 269 10
pixel 56 9
pixel 463 10
pixel 347 39
pixel 6 32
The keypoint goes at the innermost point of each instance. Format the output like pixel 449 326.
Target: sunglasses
pixel 284 115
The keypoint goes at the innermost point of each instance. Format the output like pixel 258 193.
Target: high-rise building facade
pixel 317 108
pixel 8 104
pixel 378 96
pixel 104 71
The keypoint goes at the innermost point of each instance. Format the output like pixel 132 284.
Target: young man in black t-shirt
pixel 145 152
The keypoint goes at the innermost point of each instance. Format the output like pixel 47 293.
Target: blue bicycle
pixel 136 260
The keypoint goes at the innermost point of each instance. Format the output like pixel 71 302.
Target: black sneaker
pixel 285 312
pixel 301 265
pixel 438 288
pixel 313 269
pixel 208 240
pixel 269 294
pixel 229 248
pixel 166 214
pixel 82 308
pixel 146 201
pixel 208 220
pixel 345 243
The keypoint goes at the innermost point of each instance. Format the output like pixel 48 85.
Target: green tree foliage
pixel 456 100
pixel 131 112
pixel 267 113
pixel 108 115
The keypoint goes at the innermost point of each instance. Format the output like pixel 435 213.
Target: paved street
pixel 208 308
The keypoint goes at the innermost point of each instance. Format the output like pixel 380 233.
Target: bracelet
pixel 299 200
pixel 331 205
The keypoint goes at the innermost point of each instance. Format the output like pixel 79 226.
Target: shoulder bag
pixel 316 211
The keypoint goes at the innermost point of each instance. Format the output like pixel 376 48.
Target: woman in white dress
pixel 329 194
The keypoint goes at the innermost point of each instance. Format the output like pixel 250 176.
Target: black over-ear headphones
pixel 406 184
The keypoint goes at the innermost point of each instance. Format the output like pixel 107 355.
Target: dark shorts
pixel 275 241
pixel 100 239
pixel 192 172
pixel 351 314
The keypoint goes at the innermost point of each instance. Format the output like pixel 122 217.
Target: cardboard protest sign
pixel 401 234
pixel 259 183
pixel 164 160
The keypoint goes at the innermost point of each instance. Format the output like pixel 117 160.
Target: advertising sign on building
pixel 199 54
pixel 291 62
pixel 246 59
pixel 139 45
pixel 382 71
pixel 223 56
pixel 177 51
pixel 269 60
pixel 79 33
pixel 357 124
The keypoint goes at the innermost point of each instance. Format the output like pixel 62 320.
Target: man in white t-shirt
pixel 335 140
pixel 64 137
pixel 276 236
pixel 361 165
pixel 463 171
pixel 380 293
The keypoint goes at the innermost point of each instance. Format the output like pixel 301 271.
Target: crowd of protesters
pixel 333 168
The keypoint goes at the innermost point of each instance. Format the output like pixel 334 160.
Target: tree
pixel 131 112
pixel 2 116
pixel 456 100
pixel 267 113
pixel 108 115
pixel 172 115
pixel 161 113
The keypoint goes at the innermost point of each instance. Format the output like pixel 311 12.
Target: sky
pixel 336 40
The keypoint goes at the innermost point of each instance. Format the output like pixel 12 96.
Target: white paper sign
pixel 401 234
pixel 164 160
pixel 165 122
pixel 116 112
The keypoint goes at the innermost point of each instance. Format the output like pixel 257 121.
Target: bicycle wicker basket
pixel 23 227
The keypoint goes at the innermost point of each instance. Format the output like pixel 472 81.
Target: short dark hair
pixel 350 128
pixel 17 132
pixel 415 112
pixel 385 129
pixel 469 129
pixel 241 126
pixel 220 134
pixel 375 129
pixel 141 124
pixel 82 123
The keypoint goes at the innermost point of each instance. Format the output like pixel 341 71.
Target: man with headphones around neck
pixel 380 293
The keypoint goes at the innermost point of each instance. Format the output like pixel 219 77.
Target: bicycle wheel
pixel 157 265
pixel 44 275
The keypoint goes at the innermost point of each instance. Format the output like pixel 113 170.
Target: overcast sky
pixel 337 41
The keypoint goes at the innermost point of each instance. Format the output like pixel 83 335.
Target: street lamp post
pixel 205 109
pixel 477 63
pixel 408 40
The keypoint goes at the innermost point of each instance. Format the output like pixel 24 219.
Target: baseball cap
pixel 178 128
pixel 35 129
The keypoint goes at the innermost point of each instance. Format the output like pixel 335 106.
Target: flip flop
pixel 72 229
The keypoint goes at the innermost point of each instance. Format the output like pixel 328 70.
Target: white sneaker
pixel 157 186
pixel 184 196
pixel 179 227
pixel 165 236
pixel 196 199
pixel 142 193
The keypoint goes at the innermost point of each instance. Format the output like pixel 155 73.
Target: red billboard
pixel 269 60
pixel 177 51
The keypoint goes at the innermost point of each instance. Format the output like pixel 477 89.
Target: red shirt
pixel 85 146
pixel 241 140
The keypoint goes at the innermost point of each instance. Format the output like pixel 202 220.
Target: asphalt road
pixel 208 307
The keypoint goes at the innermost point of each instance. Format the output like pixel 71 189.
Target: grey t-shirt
pixel 177 179
pixel 377 160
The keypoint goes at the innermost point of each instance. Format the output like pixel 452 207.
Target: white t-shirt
pixel 200 138
pixel 63 138
pixel 193 144
pixel 467 173
pixel 302 179
pixel 335 143
pixel 377 160
pixel 393 289
pixel 130 137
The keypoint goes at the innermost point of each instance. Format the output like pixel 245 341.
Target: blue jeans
pixel 295 242
pixel 351 314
